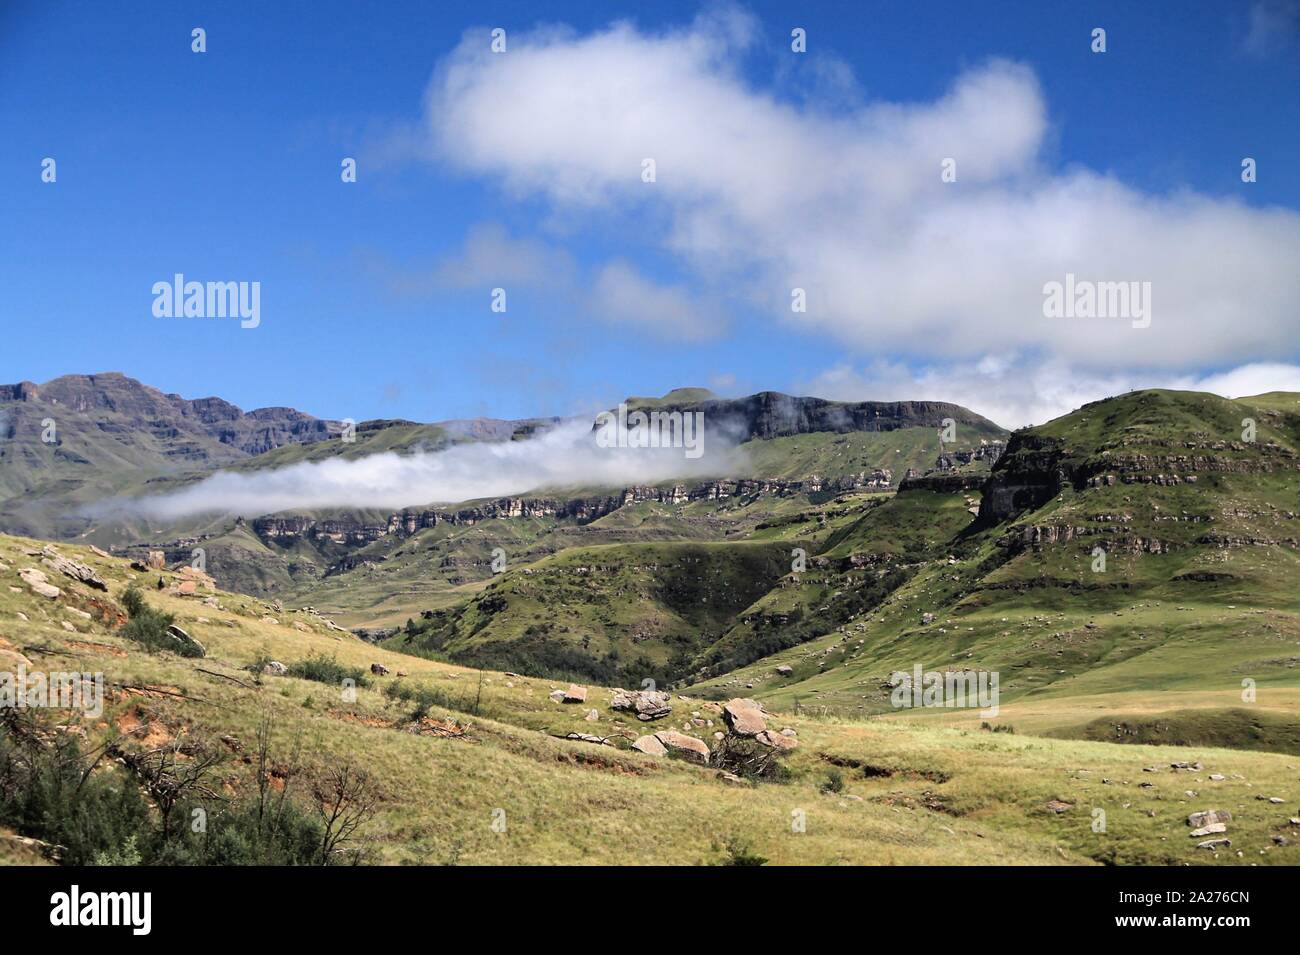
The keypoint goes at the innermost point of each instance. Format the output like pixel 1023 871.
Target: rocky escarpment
pixel 580 509
pixel 1036 467
pixel 770 414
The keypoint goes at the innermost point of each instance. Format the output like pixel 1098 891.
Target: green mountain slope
pixel 1197 591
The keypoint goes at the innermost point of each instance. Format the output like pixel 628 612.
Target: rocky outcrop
pixel 770 414
pixel 71 568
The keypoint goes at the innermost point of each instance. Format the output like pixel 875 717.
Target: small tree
pixel 346 798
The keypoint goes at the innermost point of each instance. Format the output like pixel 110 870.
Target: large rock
pixel 651 746
pixel 744 717
pixel 39 583
pixel 71 568
pixel 157 560
pixel 693 749
pixel 646 704
pixel 1208 817
pixel 785 670
pixel 575 694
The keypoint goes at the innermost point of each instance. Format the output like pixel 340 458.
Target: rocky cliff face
pixel 580 509
pixel 770 414
pixel 126 402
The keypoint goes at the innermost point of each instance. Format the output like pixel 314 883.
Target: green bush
pixel 323 669
pixel 148 627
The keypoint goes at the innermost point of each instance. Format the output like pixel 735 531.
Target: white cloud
pixel 760 196
pixel 1015 393
pixel 564 457
pixel 623 296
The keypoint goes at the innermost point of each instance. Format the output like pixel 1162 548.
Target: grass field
pixel 910 791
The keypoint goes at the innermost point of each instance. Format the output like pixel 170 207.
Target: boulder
pixel 1215 844
pixel 275 668
pixel 378 669
pixel 157 560
pixel 1210 830
pixel 651 746
pixel 575 694
pixel 1208 817
pixel 557 696
pixel 785 670
pixel 744 717
pixel 646 704
pixel 693 749
pixel 71 568
pixel 592 716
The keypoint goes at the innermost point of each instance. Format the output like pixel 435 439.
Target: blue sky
pixel 225 166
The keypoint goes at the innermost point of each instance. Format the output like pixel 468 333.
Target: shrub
pixel 737 851
pixel 323 669
pixel 148 627
pixel 834 782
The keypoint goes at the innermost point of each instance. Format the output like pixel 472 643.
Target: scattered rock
pixel 157 560
pixel 378 669
pixel 68 627
pixel 784 670
pixel 1214 844
pixel 275 668
pixel 1059 805
pixel 1218 777
pixel 575 694
pixel 592 716
pixel 1208 817
pixel 557 696
pixel 1210 830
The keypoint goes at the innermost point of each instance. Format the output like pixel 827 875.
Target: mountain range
pixel 1128 571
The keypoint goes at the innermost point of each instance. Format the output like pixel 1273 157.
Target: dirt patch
pixel 137 724
pixel 445 729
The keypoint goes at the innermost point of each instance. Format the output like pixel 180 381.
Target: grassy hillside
pixel 479 776
pixel 1195 602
